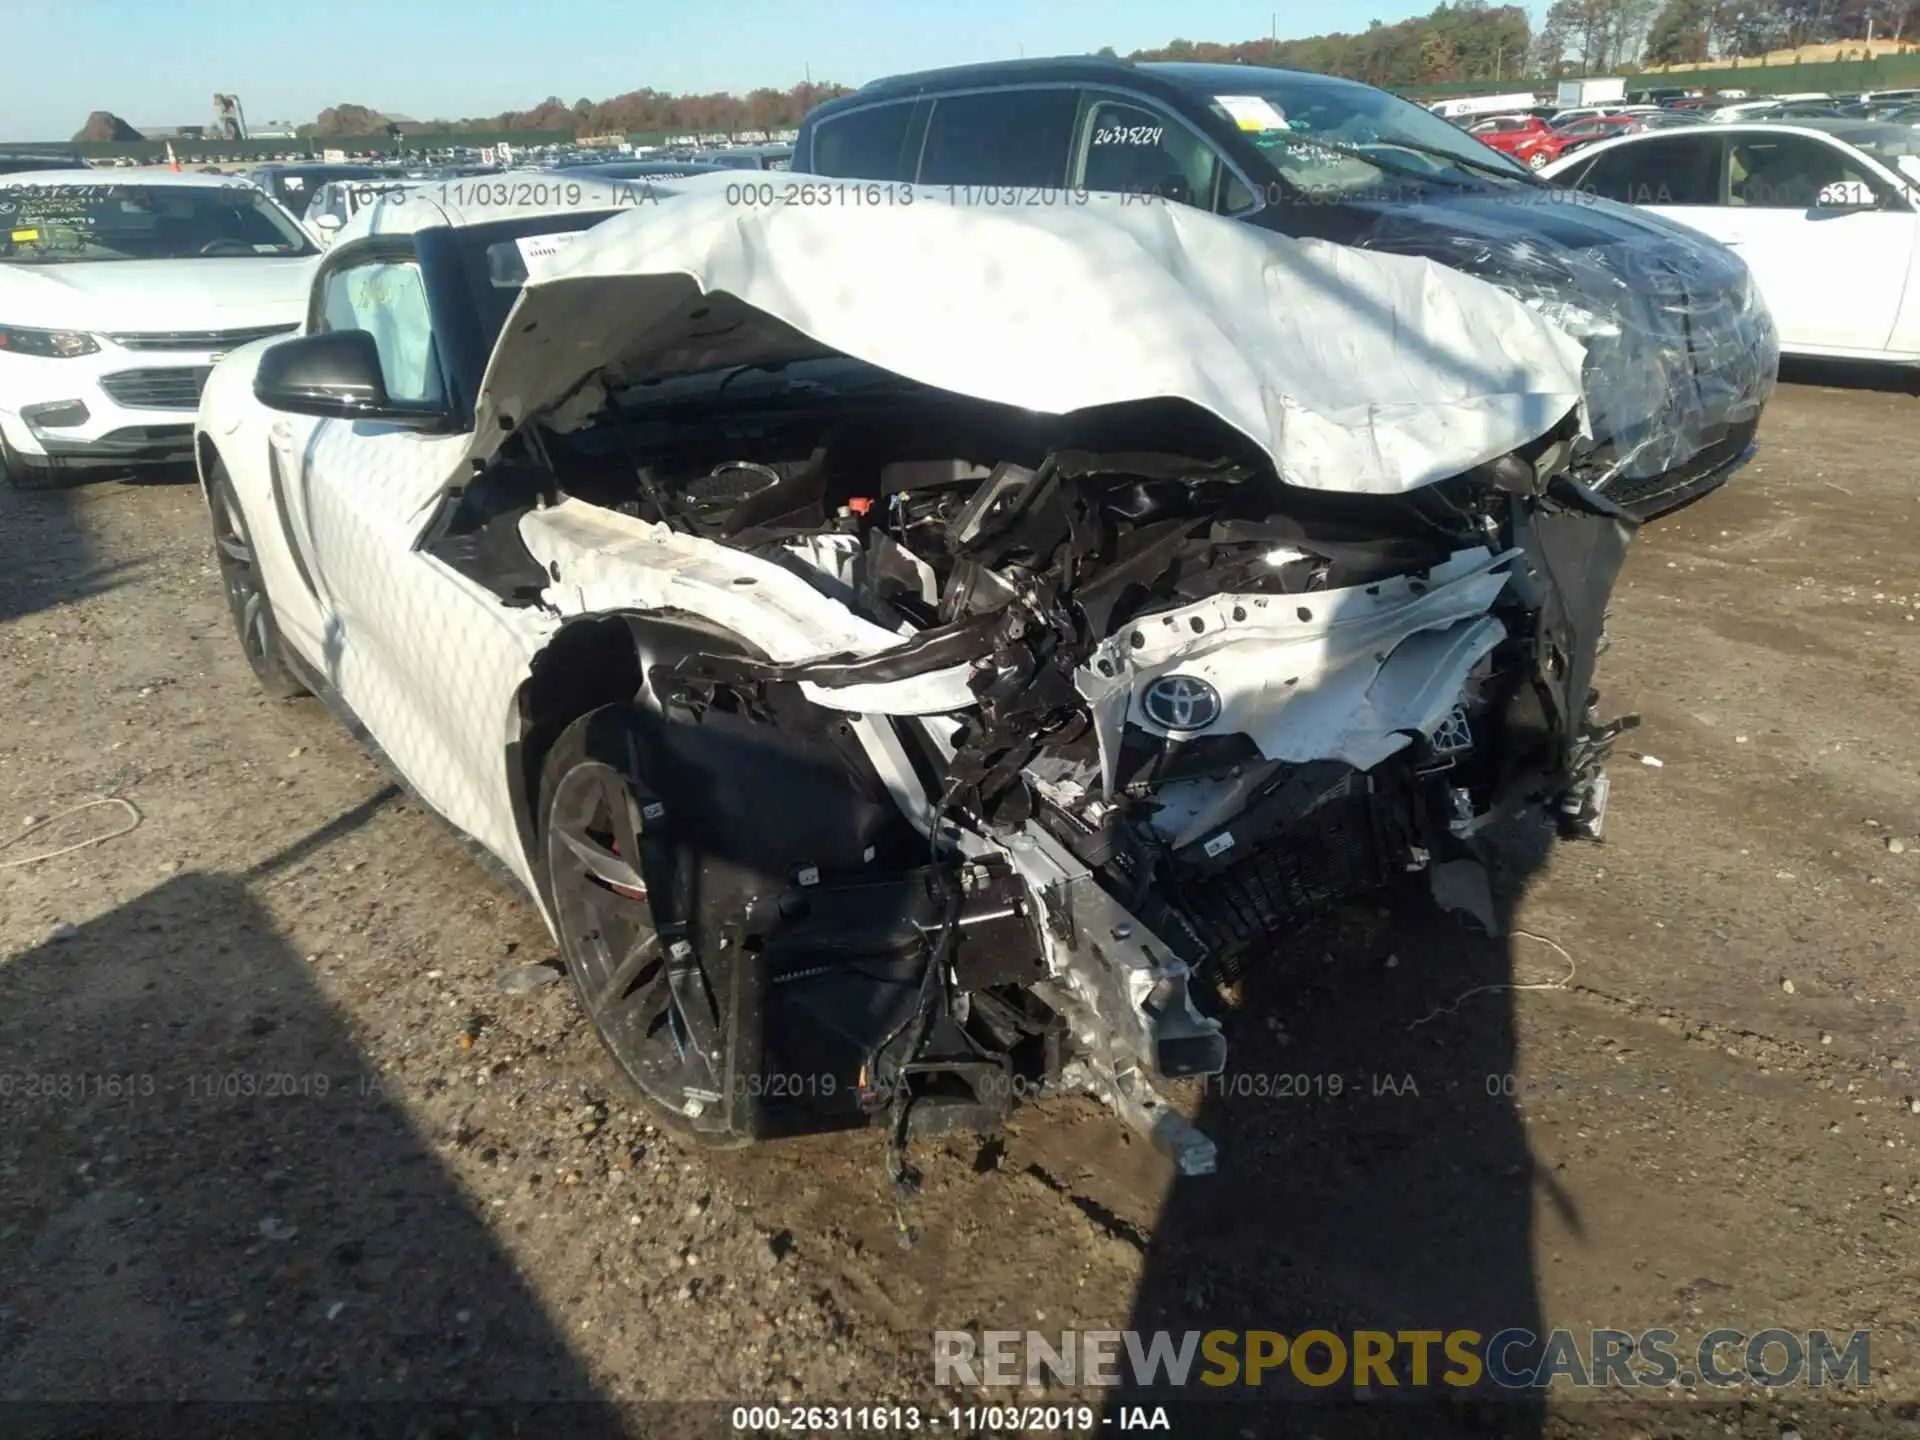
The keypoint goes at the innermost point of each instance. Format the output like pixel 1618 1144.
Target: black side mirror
pixel 334 375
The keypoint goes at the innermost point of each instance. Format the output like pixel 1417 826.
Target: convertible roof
pixel 1353 370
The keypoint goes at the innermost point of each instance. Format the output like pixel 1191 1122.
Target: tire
pixel 24 474
pixel 665 1016
pixel 1538 160
pixel 253 622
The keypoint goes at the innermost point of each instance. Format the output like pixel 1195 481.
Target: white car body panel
pixel 1840 282
pixel 131 298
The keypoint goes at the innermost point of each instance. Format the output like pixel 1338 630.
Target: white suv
pixel 116 298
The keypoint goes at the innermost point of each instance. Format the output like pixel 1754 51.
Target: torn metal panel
pixel 604 561
pixel 1336 674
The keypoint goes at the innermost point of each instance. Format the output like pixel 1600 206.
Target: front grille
pixel 177 389
pixel 197 339
pixel 151 435
pixel 1651 495
pixel 1242 909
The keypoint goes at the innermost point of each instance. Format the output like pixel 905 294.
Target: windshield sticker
pixel 540 247
pixel 48 205
pixel 1250 112
pixel 21 237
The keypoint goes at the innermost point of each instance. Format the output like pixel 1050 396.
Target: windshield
pixel 75 224
pixel 1895 146
pixel 638 170
pixel 495 257
pixel 1282 113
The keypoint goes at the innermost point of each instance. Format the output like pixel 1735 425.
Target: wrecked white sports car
pixel 901 647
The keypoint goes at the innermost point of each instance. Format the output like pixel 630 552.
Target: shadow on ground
pixel 1375 1176
pixel 47 556
pixel 208 1198
pixel 1850 375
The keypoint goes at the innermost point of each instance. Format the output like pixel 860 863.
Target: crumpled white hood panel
pixel 1353 370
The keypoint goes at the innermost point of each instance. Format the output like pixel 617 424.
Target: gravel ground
pixel 286 1115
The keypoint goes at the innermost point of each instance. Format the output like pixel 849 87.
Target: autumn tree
pixel 1680 32
pixel 1470 40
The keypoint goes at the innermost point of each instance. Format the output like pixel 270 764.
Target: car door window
pixel 1670 170
pixel 388 300
pixel 1000 137
pixel 1791 172
pixel 864 144
pixel 1137 150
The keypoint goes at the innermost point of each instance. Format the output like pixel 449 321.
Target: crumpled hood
pixel 141 295
pixel 1354 371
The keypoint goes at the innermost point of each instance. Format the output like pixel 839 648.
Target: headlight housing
pixel 46 344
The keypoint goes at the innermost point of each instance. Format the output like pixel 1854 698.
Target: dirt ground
pixel 277 1123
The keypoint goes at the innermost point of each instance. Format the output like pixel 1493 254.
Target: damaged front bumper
pixel 1064 656
pixel 1317 745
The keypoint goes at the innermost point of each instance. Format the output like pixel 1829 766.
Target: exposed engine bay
pixel 977 744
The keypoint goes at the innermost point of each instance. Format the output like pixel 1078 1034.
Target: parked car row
pixel 1538 143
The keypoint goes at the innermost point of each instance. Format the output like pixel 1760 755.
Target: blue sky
pixel 158 62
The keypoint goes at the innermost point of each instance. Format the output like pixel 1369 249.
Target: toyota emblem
pixel 1180 702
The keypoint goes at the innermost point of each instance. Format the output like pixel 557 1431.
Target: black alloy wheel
pixel 615 883
pixel 253 620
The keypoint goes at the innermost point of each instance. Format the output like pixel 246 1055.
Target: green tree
pixel 1679 32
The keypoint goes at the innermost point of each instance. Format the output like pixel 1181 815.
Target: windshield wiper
pixel 1354 152
pixel 1487 167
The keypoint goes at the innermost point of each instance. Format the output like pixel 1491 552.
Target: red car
pixel 1534 143
pixel 1508 133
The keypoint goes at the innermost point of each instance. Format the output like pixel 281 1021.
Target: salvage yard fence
pixel 1882 72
